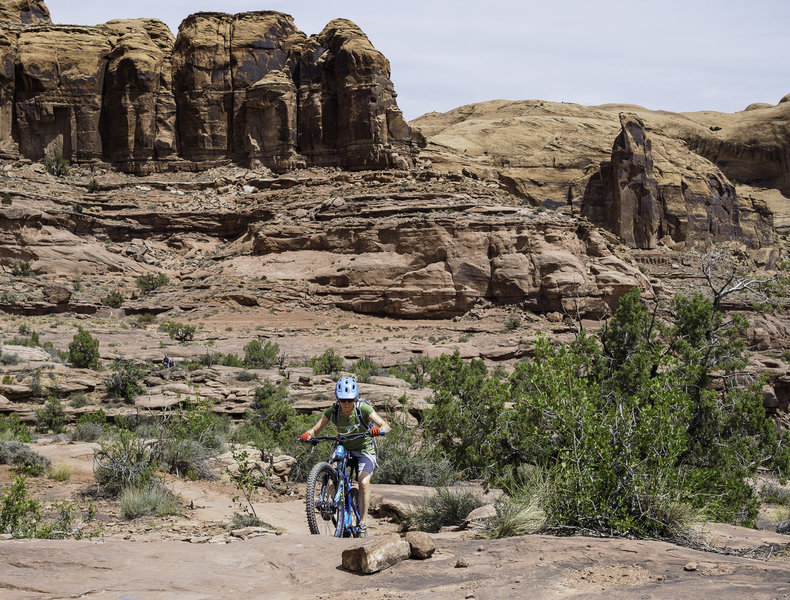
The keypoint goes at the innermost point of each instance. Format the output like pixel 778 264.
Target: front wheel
pixel 325 514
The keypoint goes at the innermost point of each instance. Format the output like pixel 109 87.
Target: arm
pixel 322 422
pixel 381 423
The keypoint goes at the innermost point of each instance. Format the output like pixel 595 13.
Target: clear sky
pixel 662 54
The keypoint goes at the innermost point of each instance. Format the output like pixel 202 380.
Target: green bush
pixel 88 432
pixel 364 368
pixel 23 458
pixel 443 507
pixel 11 428
pixel 150 282
pixel 78 399
pixel 406 460
pixel 93 186
pixel 179 331
pixel 260 356
pixel 20 515
pixel 122 462
pixel 124 382
pixel 52 417
pixel 57 165
pixel 21 269
pixel 414 372
pixel 327 363
pixel 84 350
pixel 8 358
pixel 245 376
pixel 6 199
pixel 113 299
pixel 635 435
pixel 152 499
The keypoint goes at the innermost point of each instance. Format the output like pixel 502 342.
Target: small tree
pixel 52 417
pixel 149 282
pixel 326 363
pixel 125 380
pixel 179 331
pixel 113 299
pixel 260 356
pixel 84 350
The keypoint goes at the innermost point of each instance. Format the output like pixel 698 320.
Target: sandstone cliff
pixel 649 177
pixel 250 88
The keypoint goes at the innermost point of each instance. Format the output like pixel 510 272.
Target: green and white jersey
pixel 346 425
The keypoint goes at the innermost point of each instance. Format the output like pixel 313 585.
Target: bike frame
pixel 344 500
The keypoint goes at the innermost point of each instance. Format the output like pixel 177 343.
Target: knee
pixel 364 482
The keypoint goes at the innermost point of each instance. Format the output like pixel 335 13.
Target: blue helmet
pixel 346 389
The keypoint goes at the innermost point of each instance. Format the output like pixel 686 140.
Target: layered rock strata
pixel 250 88
pixel 633 171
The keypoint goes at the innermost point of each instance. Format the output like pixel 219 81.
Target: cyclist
pixel 351 414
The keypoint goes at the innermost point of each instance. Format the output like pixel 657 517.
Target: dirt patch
pixel 606 576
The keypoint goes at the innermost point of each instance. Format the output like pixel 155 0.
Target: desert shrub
pixel 11 428
pixel 52 417
pixel 231 360
pixel 93 186
pixel 88 432
pixel 60 472
pixel 260 356
pixel 57 165
pixel 23 457
pixel 774 494
pixel 406 460
pixel 512 322
pixel 443 507
pixel 56 354
pixel 150 282
pixel 154 499
pixel 327 363
pixel 6 201
pixel 9 358
pixel 123 461
pixel 124 382
pixel 78 399
pixel 84 350
pixel 364 368
pixel 143 320
pixel 189 437
pixel 20 515
pixel 415 371
pixel 76 284
pixel 179 331
pixel 113 299
pixel 245 519
pixel 245 376
pixel 21 269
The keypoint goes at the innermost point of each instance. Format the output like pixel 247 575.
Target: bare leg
pixel 364 495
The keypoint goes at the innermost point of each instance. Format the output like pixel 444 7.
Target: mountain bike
pixel 331 501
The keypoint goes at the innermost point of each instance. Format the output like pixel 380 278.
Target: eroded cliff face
pixel 250 88
pixel 632 171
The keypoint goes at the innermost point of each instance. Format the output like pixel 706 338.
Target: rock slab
pixel 376 554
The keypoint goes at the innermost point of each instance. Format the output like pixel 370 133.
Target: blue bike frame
pixel 344 499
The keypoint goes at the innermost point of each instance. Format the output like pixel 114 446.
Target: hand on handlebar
pixel 305 437
pixel 376 431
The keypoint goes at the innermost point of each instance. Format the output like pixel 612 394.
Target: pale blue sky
pixel 671 55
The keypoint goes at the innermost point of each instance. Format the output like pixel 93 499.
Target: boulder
pixel 57 294
pixel 376 554
pixel 422 545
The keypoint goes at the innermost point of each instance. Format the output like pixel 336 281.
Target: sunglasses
pixel 346 400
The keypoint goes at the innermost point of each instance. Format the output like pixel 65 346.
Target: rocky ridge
pixel 250 88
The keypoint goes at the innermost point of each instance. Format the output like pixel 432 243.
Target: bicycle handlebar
pixel 338 438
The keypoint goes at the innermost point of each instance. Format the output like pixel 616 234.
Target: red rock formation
pixel 28 12
pixel 249 87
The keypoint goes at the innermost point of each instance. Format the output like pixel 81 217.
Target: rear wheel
pixel 325 513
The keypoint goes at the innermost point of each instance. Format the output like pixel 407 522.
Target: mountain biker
pixel 346 415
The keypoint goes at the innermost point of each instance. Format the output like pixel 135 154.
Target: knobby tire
pixel 322 484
